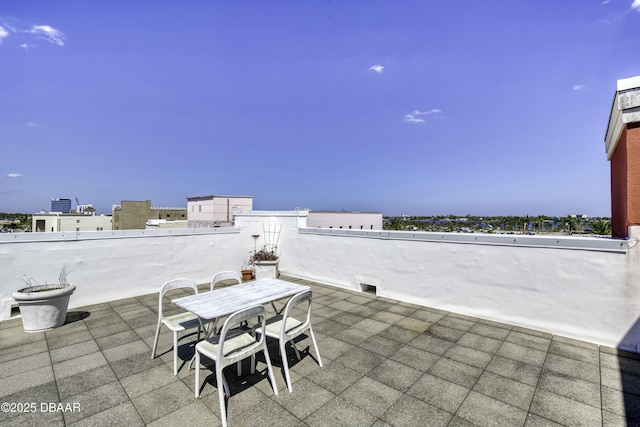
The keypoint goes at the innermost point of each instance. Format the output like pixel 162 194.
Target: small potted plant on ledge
pixel 44 307
pixel 247 272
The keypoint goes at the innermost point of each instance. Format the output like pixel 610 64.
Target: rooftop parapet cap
pixel 625 110
pixel 630 83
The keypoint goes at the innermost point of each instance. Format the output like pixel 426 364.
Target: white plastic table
pixel 224 301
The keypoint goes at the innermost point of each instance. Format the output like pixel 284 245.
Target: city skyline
pixel 417 108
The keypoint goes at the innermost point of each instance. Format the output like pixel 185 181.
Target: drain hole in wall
pixel 15 311
pixel 370 289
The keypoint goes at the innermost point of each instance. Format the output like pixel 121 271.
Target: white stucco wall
pixel 107 266
pixel 584 288
pixel 346 220
pixel 587 292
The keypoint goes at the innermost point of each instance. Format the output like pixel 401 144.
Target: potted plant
pixel 247 272
pixel 265 261
pixel 44 307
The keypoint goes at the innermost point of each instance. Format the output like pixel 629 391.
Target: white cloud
pixel 377 68
pixel 32 124
pixel 3 34
pixel 410 118
pixel 425 113
pixel 578 87
pixel 26 46
pixel 636 5
pixel 14 175
pixel 415 115
pixel 48 33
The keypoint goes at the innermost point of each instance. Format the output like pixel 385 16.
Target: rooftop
pixel 385 363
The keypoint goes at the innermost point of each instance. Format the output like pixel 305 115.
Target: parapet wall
pixel 583 288
pixel 579 287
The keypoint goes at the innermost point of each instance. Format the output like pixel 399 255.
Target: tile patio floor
pixel 385 363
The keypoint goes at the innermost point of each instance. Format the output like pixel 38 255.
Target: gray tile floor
pixel 385 363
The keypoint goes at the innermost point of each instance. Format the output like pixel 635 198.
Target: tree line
pixel 570 224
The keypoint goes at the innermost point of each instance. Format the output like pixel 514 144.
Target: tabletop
pixel 223 301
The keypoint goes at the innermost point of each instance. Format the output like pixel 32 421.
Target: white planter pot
pixel 266 269
pixel 43 307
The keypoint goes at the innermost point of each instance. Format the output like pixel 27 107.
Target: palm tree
pixel 601 226
pixel 396 223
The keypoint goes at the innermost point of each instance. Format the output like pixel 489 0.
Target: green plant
pixel 264 255
pixel 601 227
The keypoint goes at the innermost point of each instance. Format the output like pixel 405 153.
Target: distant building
pixel 347 220
pixel 215 211
pixel 85 209
pixel 58 222
pixel 61 205
pixel 133 215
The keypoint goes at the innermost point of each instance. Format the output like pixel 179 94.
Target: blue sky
pixel 404 107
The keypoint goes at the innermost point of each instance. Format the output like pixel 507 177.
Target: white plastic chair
pixel 233 345
pixel 225 275
pixel 286 328
pixel 178 322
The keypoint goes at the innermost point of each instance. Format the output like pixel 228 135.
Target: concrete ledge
pixel 111 234
pixel 602 244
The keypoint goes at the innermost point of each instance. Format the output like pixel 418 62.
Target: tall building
pixel 61 205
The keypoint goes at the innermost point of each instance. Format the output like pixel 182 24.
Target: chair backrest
pixel 225 275
pixel 229 328
pixel 172 285
pixel 295 300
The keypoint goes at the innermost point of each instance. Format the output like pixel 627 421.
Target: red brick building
pixel 622 143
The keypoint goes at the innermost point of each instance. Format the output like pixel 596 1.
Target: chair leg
pixel 226 387
pixel 315 346
pixel 197 384
pixel 265 350
pixel 295 349
pixel 175 353
pixel 285 364
pixel 155 341
pixel 223 411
